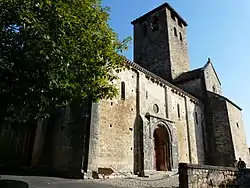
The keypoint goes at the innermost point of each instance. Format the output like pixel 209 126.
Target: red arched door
pixel 162 157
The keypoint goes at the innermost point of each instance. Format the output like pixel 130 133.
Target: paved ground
pixel 7 181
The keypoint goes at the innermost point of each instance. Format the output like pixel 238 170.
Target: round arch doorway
pixel 162 149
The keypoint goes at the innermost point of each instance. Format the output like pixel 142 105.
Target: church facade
pixel 164 114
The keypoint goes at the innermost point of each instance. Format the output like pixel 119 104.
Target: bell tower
pixel 160 42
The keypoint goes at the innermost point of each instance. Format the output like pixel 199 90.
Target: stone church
pixel 164 114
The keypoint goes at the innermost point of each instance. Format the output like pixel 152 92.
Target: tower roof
pixel 165 5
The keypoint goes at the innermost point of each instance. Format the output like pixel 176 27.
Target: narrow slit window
pixel 196 118
pixel 180 36
pixel 175 32
pixel 178 110
pixel 123 90
pixel 237 124
pixel 146 94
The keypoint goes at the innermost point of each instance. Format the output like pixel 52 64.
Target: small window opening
pixel 145 30
pixel 237 124
pixel 123 90
pixel 179 23
pixel 180 36
pixel 178 110
pixel 172 16
pixel 196 118
pixel 214 90
pixel 155 24
pixel 146 94
pixel 175 32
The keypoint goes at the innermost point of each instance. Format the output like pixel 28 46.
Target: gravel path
pixel 165 182
pixel 50 182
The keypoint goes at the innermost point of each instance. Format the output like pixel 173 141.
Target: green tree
pixel 53 52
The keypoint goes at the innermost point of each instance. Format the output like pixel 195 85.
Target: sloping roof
pixel 224 98
pixel 157 78
pixel 190 75
pixel 165 5
pixel 196 73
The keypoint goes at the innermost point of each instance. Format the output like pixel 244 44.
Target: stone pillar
pixel 175 155
pixel 38 143
pixel 148 148
pixel 94 140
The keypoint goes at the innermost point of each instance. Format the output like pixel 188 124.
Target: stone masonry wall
pixel 62 147
pixel 211 80
pixel 153 93
pixel 175 100
pixel 238 133
pixel 115 141
pixel 178 47
pixel 160 51
pixel 150 50
pixel 70 134
pixel 114 144
pixel 196 131
pixel 220 138
pixel 190 132
pixel 193 87
pixel 203 176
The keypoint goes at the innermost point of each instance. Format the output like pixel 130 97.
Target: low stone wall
pixel 203 176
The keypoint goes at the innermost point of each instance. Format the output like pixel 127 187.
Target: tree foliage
pixel 53 52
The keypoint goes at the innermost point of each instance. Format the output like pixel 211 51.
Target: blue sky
pixel 219 29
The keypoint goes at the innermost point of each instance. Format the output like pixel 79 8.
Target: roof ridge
pixel 225 98
pixel 210 62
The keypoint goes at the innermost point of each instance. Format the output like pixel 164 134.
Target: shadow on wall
pixel 138 146
pixel 13 184
pixel 199 134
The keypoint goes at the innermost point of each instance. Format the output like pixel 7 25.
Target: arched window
pixel 175 32
pixel 155 24
pixel 123 90
pixel 180 36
